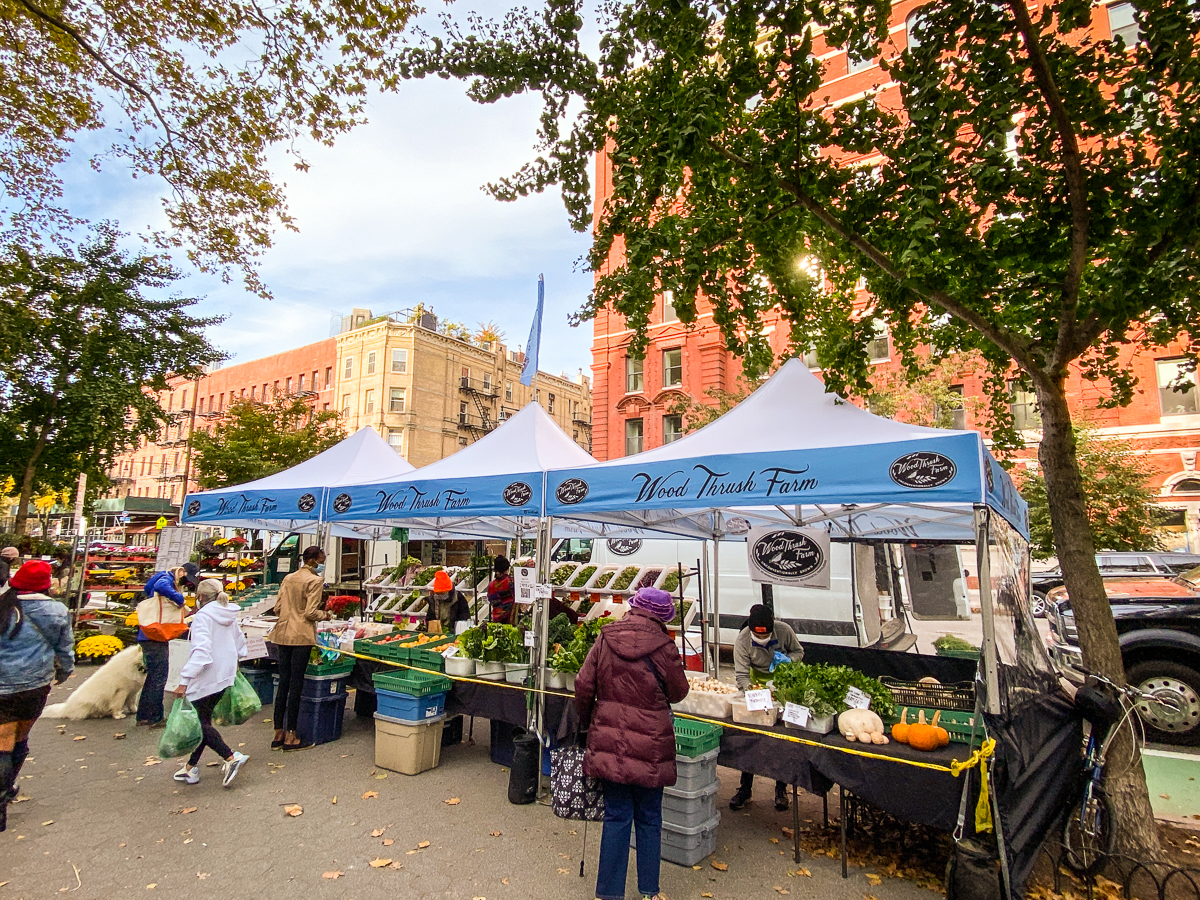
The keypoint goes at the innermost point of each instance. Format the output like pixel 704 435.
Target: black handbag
pixel 574 795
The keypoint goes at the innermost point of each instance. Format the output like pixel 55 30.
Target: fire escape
pixel 481 393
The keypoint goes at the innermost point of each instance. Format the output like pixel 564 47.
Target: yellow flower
pixel 131 620
pixel 99 645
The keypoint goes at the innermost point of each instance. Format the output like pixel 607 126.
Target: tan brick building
pixel 428 393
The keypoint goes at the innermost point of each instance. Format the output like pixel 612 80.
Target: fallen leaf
pixel 706 894
pixel 453 801
pixel 411 852
pixel 422 845
pixel 380 776
pixel 377 832
pixel 781 890
pixel 189 840
pixel 380 863
pixel 48 822
pixel 79 737
pixel 293 810
pixel 497 833
pixel 804 872
pixel 563 871
pixel 152 885
pixel 152 762
pixel 201 875
pixel 332 875
pixel 119 736
pixel 334 801
pixel 697 868
pixel 720 866
pixel 1164 796
pixel 870 897
pixel 396 865
pixel 787 832
pixel 504 881
pixel 188 809
pixel 773 840
pixel 873 880
pixel 387 842
pixel 370 795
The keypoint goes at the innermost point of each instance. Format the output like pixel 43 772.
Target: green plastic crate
pixel 694 739
pixel 429 656
pixel 414 684
pixel 342 666
pixel 372 647
pixel 956 722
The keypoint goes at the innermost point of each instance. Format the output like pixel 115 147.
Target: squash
pixel 862 725
pixel 922 735
pixel 900 729
pixel 943 735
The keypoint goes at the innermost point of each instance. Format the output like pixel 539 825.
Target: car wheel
pixel 1177 719
pixel 1037 605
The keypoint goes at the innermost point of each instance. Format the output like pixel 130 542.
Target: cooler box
pixel 687 845
pixel 695 773
pixel 263 682
pixel 320 687
pixel 407 749
pixel 321 720
pixel 689 808
pixel 409 709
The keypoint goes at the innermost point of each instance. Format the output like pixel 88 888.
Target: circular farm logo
pixel 923 470
pixel 193 508
pixel 517 494
pixel 788 554
pixel 306 503
pixel 571 491
pixel 341 503
pixel 624 546
pixel 737 525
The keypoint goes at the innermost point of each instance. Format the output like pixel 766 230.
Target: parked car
pixel 1115 564
pixel 1158 625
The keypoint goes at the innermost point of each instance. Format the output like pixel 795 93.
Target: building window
pixel 300 382
pixel 399 361
pixel 348 371
pixel 287 385
pixel 858 65
pixel 325 407
pixel 369 402
pixel 550 408
pixel 201 410
pixel 264 393
pixel 396 403
pixel 672 429
pixel 878 349
pixel 633 436
pixel 1176 387
pixel 957 413
pixel 508 391
pixel 462 413
pixel 1122 24
pixel 396 440
pixel 345 404
pixel 276 394
pixel 809 357
pixel 672 367
pixel 328 376
pixel 253 388
pixel 914 23
pixel 633 375
pixel 371 363
pixel 487 381
pixel 669 313
pixel 462 442
pixel 1023 406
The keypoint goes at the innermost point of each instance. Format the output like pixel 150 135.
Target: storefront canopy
pixel 793 453
pixel 491 488
pixel 292 500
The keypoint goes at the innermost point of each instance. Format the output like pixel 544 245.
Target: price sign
pixel 758 699
pixel 856 699
pixel 543 591
pixel 796 714
pixel 529 636
pixel 450 651
pixel 523 584
pixel 256 648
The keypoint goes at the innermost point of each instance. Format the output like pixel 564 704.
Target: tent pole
pixel 716 596
pixel 983 565
pixel 541 609
pixel 702 599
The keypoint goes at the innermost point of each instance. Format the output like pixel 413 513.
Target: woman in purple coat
pixel 623 695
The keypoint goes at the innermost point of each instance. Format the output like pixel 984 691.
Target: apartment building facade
pixel 634 399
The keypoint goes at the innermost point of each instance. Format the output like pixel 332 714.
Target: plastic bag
pixel 239 702
pixel 182 734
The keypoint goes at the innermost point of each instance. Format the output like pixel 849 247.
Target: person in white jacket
pixel 211 667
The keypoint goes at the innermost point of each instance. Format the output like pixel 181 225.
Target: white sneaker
pixel 231 766
pixel 190 774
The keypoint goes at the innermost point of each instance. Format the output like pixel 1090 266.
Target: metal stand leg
pixel 843 811
pixel 795 826
pixel 825 807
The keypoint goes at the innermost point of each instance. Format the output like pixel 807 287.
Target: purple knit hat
pixel 658 603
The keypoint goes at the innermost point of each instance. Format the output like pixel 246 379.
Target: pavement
pixel 104 819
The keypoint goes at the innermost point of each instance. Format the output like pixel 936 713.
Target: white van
pixel 873 618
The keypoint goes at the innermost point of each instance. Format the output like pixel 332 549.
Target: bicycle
pixel 1089 832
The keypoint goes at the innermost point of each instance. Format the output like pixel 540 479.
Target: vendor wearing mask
pixel 760 647
pixel 446 606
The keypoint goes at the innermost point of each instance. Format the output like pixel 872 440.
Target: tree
pixel 928 398
pixel 1120 501
pixel 82 351
pixel 259 439
pixel 697 413
pixel 45 500
pixel 1019 187
pixel 198 95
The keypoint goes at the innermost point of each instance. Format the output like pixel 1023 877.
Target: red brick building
pixel 632 398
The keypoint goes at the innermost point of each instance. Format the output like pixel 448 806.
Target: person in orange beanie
pixel 446 605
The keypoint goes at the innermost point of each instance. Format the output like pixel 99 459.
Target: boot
pixel 781 797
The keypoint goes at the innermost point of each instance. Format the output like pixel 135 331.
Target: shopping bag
pixel 238 703
pixel 160 622
pixel 182 734
pixel 574 795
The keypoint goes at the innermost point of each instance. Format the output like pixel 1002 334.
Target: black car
pixel 1115 564
pixel 1158 625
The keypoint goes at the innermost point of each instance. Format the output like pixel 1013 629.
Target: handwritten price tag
pixel 256 648
pixel 529 636
pixel 796 714
pixel 450 651
pixel 856 699
pixel 758 699
pixel 543 591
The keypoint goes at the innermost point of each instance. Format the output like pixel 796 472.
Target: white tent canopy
pixel 291 500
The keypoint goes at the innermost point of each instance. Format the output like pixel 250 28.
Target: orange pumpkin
pixel 943 735
pixel 922 735
pixel 900 729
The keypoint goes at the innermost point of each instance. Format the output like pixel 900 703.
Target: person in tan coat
pixel 294 635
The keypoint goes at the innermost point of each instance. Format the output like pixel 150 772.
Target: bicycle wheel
pixel 1089 833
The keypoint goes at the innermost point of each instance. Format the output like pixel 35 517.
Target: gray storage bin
pixel 686 845
pixel 689 808
pixel 696 773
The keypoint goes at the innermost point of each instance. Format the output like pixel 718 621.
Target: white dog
pixel 112 691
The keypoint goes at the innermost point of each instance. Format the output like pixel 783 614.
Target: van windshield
pixel 572 550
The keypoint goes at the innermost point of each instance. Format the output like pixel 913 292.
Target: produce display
pixel 559 631
pixel 648 579
pixel 862 725
pixel 493 642
pixel 681 614
pixel 622 581
pixel 921 735
pixel 671 582
pixel 570 657
pixel 823 688
pixel 712 686
pixel 561 573
pixel 582 576
pixel 604 579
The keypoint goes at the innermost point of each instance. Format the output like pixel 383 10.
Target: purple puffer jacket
pixel 619 698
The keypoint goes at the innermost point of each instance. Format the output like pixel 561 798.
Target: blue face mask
pixel 320 568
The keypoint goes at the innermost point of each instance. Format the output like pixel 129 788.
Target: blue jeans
pixel 626 805
pixel 156 656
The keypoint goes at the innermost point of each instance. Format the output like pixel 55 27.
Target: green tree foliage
pixel 82 351
pixel 1027 190
pixel 927 397
pixel 1120 501
pixel 198 94
pixel 698 412
pixel 256 439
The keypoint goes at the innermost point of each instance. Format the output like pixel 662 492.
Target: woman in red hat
pixel 37 646
pixel 446 605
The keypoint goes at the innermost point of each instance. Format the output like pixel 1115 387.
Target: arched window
pixel 911 30
pixel 1187 486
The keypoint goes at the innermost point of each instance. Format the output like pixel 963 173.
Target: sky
pixel 391 216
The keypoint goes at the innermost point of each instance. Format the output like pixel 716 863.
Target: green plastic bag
pixel 182 734
pixel 238 703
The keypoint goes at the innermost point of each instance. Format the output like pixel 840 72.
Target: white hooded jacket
pixel 217 645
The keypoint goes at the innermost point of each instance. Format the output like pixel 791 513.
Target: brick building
pixel 633 398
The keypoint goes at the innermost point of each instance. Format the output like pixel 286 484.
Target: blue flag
pixel 535 338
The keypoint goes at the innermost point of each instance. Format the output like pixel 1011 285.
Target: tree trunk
pixel 1137 835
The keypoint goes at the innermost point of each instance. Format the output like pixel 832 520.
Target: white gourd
pixel 862 725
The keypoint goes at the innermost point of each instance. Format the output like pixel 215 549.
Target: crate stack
pixel 689 809
pixel 410 714
pixel 323 701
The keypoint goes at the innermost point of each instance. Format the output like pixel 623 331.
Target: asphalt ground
pixel 104 819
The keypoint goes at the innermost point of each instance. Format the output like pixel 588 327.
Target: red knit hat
pixel 442 583
pixel 31 578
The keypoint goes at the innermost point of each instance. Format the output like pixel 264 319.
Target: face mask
pixel 320 568
pixel 761 641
